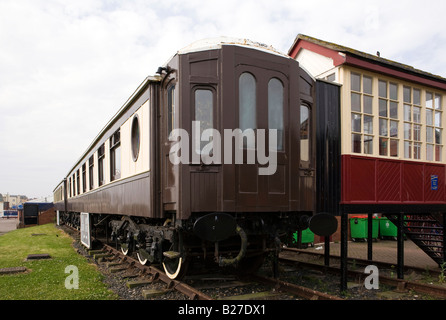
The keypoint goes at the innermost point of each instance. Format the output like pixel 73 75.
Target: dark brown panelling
pixel 248 178
pixel 59 205
pixel 204 191
pixel 129 196
pixel 235 187
pixel 276 182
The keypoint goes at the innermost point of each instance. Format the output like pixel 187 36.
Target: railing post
pixel 327 251
pixel 400 246
pixel 444 237
pixel 369 236
pixel 344 238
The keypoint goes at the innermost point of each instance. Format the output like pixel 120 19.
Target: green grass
pixel 46 279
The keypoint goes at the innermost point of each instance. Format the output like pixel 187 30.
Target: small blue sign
pixel 434 182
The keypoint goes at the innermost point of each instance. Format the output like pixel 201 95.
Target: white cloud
pixel 66 67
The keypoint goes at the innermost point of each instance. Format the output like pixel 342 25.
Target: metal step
pixel 420 228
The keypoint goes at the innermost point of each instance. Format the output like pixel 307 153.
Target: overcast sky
pixel 67 66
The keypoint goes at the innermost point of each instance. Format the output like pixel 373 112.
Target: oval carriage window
pixel 135 138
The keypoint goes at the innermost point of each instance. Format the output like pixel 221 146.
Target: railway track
pixel 258 287
pixel 385 277
pixel 379 264
pixel 152 274
pixel 157 285
pixel 153 283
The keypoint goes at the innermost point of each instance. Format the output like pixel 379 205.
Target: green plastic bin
pixel 359 228
pixel 307 236
pixel 387 228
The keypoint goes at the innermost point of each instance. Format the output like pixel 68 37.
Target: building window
pixel 84 177
pixel 388 118
pixel 361 113
pixel 101 156
pixel 434 128
pixel 135 138
pixel 204 113
pixel 406 121
pixel 331 77
pixel 412 123
pixel 247 105
pixel 91 172
pixel 115 156
pixel 275 109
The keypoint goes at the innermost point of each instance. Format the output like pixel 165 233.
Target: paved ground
pixel 384 250
pixel 7 225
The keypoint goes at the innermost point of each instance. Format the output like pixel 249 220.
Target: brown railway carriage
pixel 168 211
pixel 237 187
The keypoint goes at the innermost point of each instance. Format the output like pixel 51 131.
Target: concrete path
pixel 7 225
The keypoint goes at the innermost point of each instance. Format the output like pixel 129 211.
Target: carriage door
pixel 306 170
pixel 169 171
pixel 307 161
pixel 263 105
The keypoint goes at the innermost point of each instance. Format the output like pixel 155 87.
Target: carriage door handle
pixel 308 172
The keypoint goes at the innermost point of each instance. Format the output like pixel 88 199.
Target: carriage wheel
pixel 173 267
pixel 125 248
pixel 141 254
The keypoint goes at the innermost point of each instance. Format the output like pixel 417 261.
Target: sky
pixel 67 66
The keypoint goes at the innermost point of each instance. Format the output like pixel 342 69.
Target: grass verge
pixel 47 279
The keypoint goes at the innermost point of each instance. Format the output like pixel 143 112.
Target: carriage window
pixel 115 156
pixel 91 171
pixel 204 107
pixel 170 109
pixel 304 133
pixel 78 185
pixel 135 138
pixel 84 177
pixel 275 109
pixel 101 155
pixel 247 105
pixel 74 184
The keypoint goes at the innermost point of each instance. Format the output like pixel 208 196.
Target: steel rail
pixel 296 289
pixel 382 264
pixel 400 284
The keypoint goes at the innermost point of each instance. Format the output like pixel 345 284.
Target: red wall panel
pixel 370 180
pixel 388 180
pixel 413 182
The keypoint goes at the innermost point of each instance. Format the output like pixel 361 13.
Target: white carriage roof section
pixel 218 42
pixel 125 106
pixel 112 120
